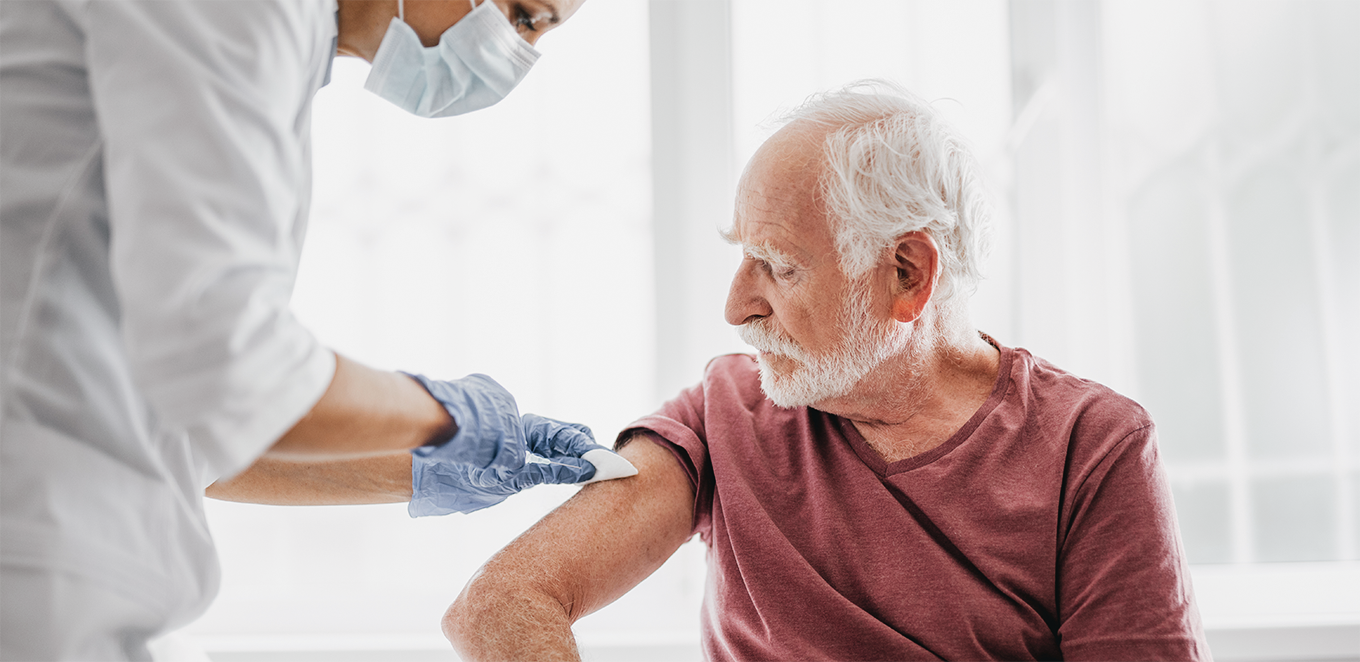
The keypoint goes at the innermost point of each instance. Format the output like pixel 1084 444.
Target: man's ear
pixel 917 260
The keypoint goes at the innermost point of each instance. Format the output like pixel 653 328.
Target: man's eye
pixel 778 271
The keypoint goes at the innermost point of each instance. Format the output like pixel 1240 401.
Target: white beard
pixel 865 346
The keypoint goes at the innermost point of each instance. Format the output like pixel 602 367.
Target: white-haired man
pixel 882 482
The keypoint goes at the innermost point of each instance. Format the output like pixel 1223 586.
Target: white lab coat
pixel 155 176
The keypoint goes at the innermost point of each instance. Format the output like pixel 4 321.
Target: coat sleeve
pixel 204 108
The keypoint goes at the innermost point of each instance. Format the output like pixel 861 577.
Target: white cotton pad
pixel 608 465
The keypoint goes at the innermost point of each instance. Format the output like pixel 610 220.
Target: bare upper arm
pixel 596 546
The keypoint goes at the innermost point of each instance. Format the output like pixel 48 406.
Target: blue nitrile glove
pixel 440 488
pixel 489 430
pixel 560 441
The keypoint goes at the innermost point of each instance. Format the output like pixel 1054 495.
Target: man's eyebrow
pixel 763 252
pixel 768 254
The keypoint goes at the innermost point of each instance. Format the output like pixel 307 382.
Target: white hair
pixel 894 166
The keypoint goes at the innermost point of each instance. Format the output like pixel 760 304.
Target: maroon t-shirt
pixel 1043 529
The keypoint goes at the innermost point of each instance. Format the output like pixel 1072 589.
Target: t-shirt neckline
pixel 874 461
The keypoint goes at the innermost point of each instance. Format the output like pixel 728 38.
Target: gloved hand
pixel 439 487
pixel 485 462
pixel 489 433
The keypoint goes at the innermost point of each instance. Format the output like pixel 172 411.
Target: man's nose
pixel 744 301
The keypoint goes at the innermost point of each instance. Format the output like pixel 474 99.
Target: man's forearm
pixel 584 555
pixel 373 479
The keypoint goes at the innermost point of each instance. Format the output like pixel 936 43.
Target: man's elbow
pixel 470 612
pixel 506 616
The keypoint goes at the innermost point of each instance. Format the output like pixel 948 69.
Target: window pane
pixel 1173 303
pixel 1275 300
pixel 1293 518
pixel 1203 510
pixel 1342 209
pixel 1261 67
pixel 1234 169
pixel 1335 23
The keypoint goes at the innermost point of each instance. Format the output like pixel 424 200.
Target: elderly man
pixel 882 481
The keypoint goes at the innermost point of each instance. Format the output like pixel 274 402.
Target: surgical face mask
pixel 477 62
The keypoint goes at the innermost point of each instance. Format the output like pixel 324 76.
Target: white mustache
pixel 760 336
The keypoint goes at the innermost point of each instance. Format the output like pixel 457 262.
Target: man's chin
pixel 778 363
pixel 778 395
pixel 783 388
pixel 790 383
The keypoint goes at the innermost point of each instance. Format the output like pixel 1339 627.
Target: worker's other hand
pixel 485 462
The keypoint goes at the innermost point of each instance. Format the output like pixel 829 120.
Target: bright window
pixel 1239 143
pixel 1186 229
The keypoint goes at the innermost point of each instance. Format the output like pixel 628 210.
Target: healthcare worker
pixel 155 173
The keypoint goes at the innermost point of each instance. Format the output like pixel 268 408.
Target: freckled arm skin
pixel 581 557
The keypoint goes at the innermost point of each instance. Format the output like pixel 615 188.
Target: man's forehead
pixel 778 206
pixel 782 239
pixel 784 174
pixel 792 156
pixel 757 226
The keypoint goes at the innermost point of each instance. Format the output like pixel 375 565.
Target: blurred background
pixel 1178 216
